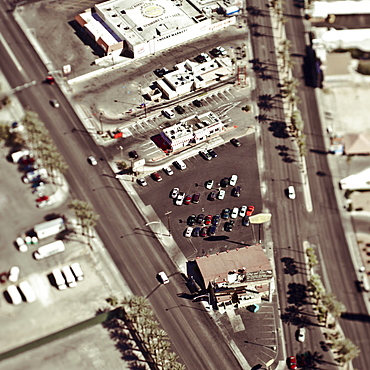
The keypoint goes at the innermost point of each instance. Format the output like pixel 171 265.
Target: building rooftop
pixel 249 262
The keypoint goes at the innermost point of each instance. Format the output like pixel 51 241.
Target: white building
pixel 136 28
pixel 192 130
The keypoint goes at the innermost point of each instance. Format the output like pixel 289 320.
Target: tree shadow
pixel 279 129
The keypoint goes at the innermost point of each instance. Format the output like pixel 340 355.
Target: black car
pixel 225 214
pixel 198 103
pixel 196 231
pixel 215 52
pixel 212 230
pixel 191 220
pixel 212 195
pixel 212 153
pixel 133 154
pixel 236 191
pixel 200 218
pixel 246 221
pixel 205 155
pixel 161 72
pixel 229 225
pixel 224 182
pixel 216 220
pixel 179 109
pixel 195 198
pixel 235 142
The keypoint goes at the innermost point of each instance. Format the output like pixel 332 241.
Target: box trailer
pixel 49 228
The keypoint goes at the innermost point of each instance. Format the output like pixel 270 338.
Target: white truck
pixel 49 228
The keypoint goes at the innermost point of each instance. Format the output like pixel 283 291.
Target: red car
pixel 208 220
pixel 204 231
pixel 42 199
pixel 50 80
pixel 250 210
pixel 292 363
pixel 156 176
pixel 188 200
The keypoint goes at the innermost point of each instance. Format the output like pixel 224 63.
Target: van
pixel 59 279
pixel 27 291
pixel 49 250
pixel 14 294
pixel 180 164
pixel 70 279
pixel 77 271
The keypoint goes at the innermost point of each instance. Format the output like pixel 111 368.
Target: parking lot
pixel 192 180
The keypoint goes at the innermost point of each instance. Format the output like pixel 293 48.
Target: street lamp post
pixel 156 222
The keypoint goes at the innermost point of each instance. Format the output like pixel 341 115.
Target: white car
pixel 175 192
pixel 21 245
pixel 142 181
pixel 209 184
pixel 168 171
pixel 291 192
pixel 188 232
pixel 162 275
pixel 180 198
pixel 234 212
pixel 221 194
pixel 301 335
pixel 54 103
pixel 92 160
pixel 168 113
pixel 233 180
pixel 242 211
pixel 14 274
pixel 222 50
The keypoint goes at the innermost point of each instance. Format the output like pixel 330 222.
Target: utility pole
pixel 168 222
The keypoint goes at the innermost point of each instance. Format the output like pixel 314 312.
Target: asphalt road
pixel 138 256
pixel 293 224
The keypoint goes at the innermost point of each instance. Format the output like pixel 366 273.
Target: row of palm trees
pixel 327 306
pixel 138 315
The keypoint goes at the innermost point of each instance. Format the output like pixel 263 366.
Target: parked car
pixel 168 171
pixel 141 181
pixel 233 179
pixel 200 218
pixel 205 155
pixel 221 194
pixel 168 113
pixel 291 192
pixel 212 230
pixel 216 219
pixel 212 153
pixel 160 72
pixel 21 245
pixel 250 210
pixel 179 109
pixel 179 199
pixel 156 176
pixel 133 154
pixel 187 200
pixel 212 196
pixel 245 221
pixel 301 335
pixel 92 160
pixel 292 363
pixel 203 57
pixel 191 220
pixel 208 220
pixel 196 231
pixel 234 212
pixel 209 184
pixel 242 211
pixel 54 103
pixel 235 142
pixel 14 274
pixel 224 182
pixel 198 103
pixel 236 191
pixel 163 277
pixel 229 225
pixel 225 214
pixel 195 198
pixel 203 232
pixel 222 50
pixel 188 232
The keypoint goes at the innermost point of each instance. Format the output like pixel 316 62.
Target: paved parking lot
pixel 192 181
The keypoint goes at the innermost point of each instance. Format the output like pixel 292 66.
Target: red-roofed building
pixel 238 278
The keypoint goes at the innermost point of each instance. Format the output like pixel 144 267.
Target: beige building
pixel 238 278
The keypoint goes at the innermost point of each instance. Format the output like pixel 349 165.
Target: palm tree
pixel 334 307
pixel 84 214
pixel 347 350
pixel 312 258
